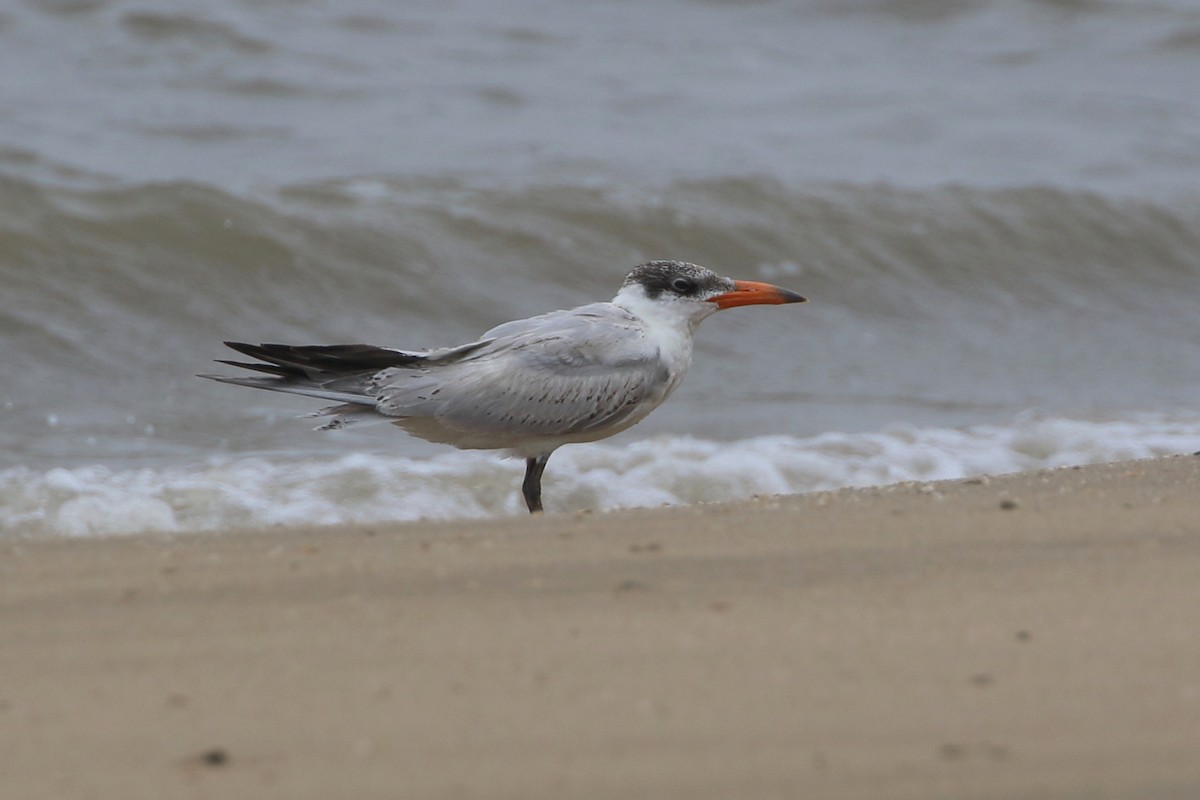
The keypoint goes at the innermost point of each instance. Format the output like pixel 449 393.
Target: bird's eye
pixel 682 286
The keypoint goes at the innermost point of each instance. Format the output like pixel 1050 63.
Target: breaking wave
pixel 257 492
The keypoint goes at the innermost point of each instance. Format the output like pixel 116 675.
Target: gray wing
pixel 558 374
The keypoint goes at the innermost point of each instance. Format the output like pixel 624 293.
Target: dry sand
pixel 1018 637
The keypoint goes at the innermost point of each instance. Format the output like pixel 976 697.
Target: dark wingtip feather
pixel 333 358
pixel 246 349
pixel 270 369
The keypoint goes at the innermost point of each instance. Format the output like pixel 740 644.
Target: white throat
pixel 666 311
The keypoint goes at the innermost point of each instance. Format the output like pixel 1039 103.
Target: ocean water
pixel 992 207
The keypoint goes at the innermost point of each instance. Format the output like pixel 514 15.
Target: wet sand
pixel 1023 636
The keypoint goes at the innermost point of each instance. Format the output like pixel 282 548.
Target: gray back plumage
pixel 566 374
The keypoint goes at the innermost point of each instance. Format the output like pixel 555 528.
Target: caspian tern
pixel 528 386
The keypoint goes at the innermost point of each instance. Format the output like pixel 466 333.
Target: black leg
pixel 532 486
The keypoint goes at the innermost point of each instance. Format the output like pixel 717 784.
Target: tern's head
pixel 693 292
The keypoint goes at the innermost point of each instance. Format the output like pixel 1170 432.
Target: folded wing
pixel 560 374
pixel 565 374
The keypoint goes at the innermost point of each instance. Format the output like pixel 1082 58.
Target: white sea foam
pixel 254 492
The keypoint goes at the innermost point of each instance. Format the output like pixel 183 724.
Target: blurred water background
pixel 992 206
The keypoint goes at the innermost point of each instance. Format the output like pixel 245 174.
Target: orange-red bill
pixel 753 293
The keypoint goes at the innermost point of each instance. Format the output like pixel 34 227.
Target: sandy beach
pixel 1025 636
